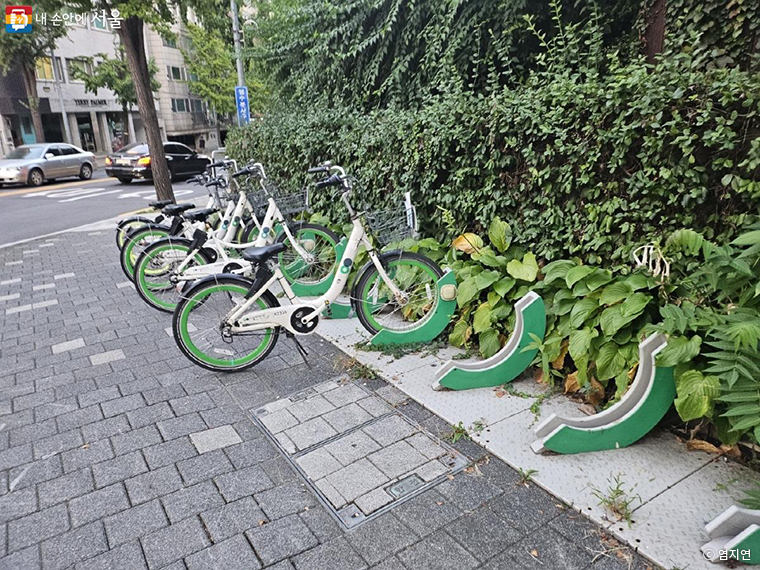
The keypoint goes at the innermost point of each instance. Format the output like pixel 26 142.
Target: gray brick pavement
pixel 116 452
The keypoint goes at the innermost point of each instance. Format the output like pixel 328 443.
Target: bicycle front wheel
pixel 318 242
pixel 414 275
pixel 128 225
pixel 156 266
pixel 136 242
pixel 201 336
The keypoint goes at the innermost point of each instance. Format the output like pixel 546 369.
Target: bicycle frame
pixel 282 316
pixel 220 245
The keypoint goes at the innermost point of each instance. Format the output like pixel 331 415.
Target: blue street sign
pixel 241 100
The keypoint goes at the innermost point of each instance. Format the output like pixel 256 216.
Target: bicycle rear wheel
pixel 415 275
pixel 198 330
pixel 319 244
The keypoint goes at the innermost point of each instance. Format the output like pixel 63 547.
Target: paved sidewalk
pixel 116 452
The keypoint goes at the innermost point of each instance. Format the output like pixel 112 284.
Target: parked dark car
pixel 133 161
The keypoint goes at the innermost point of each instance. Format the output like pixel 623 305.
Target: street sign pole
pixel 239 64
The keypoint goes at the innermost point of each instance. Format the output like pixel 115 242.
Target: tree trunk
pixel 131 34
pixel 30 85
pixel 654 32
pixel 126 133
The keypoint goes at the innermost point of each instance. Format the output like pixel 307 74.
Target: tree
pixel 212 69
pixel 22 51
pixel 113 73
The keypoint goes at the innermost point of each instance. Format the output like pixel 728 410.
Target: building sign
pixel 90 102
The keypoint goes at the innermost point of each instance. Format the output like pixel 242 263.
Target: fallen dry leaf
pixel 595 393
pixel 534 553
pixel 468 243
pixel 701 445
pixel 571 383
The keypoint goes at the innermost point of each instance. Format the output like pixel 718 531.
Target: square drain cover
pixel 360 456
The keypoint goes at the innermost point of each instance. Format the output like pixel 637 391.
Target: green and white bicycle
pixel 229 322
pixel 167 266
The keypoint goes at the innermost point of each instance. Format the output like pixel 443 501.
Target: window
pixel 54 150
pixel 176 73
pixel 44 69
pixel 170 42
pixel 68 150
pixel 176 149
pixel 197 105
pixel 180 105
pixel 74 66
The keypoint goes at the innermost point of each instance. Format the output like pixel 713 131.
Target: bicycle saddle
pixel 261 254
pixel 159 204
pixel 200 215
pixel 177 209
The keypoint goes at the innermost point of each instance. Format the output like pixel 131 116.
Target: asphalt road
pixel 31 212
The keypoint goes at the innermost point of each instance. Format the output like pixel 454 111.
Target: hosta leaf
pixel 615 292
pixel 504 285
pixel 609 361
pixel 638 281
pixel 526 270
pixel 500 234
pixel 596 279
pixel 461 333
pixel 634 305
pixel 696 394
pixel 467 290
pixel 580 343
pixel 482 318
pixel 576 274
pixel 612 320
pixel 582 310
pixel 557 270
pixel 679 349
pixel 486 279
pixel 489 342
pixel 468 242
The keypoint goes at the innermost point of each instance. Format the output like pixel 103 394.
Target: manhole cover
pixel 361 456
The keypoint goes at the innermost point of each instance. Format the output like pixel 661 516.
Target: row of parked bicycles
pixel 223 270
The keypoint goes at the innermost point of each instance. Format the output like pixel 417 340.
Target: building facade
pixel 96 122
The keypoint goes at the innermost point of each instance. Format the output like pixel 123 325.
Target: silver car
pixel 32 164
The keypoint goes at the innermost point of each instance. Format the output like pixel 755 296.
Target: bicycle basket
pixel 293 202
pixel 390 226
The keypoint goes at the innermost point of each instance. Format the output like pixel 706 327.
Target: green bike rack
pixel 641 408
pixel 338 310
pixel 317 289
pixel 735 534
pixel 509 362
pixel 433 323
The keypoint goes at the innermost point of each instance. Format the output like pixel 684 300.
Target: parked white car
pixel 33 164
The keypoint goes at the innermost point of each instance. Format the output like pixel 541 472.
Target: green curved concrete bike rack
pixel 317 289
pixel 509 362
pixel 638 411
pixel 735 534
pixel 433 323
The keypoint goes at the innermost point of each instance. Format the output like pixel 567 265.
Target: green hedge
pixel 579 162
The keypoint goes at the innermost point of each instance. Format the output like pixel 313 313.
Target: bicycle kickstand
pixel 299 348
